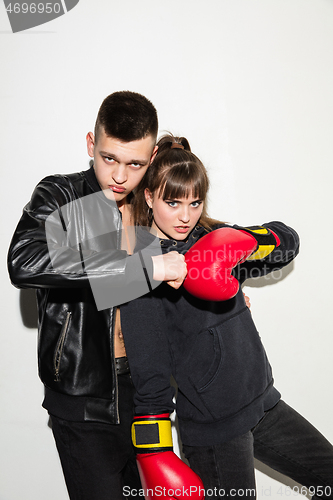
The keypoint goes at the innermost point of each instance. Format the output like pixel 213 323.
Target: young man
pixel 81 354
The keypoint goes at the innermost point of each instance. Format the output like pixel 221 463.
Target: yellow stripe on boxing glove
pixel 152 433
pixel 266 239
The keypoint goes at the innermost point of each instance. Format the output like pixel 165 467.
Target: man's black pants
pixel 98 459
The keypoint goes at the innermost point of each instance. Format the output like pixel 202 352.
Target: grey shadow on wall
pixel 271 278
pixel 29 314
pixel 28 308
pixel 290 485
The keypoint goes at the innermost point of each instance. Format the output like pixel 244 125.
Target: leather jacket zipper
pixel 113 312
pixel 60 348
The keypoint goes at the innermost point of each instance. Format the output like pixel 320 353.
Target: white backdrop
pixel 249 82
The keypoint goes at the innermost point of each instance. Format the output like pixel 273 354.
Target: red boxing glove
pixel 266 239
pixel 211 260
pixel 162 473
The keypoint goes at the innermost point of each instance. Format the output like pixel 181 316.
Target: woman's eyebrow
pixel 180 200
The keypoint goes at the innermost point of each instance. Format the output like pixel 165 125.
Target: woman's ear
pixel 149 198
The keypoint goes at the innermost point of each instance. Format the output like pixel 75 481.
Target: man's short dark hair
pixel 127 116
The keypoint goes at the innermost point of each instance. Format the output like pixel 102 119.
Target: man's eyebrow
pixel 139 162
pixel 115 157
pixel 109 155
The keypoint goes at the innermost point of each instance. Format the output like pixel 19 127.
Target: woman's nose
pixel 184 215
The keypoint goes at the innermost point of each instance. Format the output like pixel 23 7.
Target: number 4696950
pixel 34 8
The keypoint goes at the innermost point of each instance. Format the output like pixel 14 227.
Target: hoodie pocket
pixel 227 366
pixel 60 347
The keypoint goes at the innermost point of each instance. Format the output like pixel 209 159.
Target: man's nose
pixel 119 174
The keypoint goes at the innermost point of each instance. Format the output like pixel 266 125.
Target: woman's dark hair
pixel 175 173
pixel 127 116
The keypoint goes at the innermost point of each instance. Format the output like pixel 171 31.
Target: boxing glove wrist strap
pixel 266 239
pixel 152 433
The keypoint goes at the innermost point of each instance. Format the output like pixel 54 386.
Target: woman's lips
pixel 117 189
pixel 182 229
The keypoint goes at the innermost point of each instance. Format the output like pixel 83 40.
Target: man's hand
pixel 170 267
pixel 247 300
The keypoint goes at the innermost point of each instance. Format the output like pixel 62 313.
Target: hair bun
pixel 176 145
pixel 169 141
pixel 182 143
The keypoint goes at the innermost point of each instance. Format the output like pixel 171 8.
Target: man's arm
pixel 64 241
pixel 38 259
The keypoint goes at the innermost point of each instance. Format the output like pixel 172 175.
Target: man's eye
pixel 135 165
pixel 108 159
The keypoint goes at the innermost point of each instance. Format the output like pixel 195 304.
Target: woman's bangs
pixel 183 181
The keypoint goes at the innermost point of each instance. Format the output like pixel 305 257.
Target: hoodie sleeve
pixel 143 325
pixel 281 256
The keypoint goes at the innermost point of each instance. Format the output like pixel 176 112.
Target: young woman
pixel 227 406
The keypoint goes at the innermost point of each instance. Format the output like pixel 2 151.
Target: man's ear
pixel 149 198
pixel 153 154
pixel 90 138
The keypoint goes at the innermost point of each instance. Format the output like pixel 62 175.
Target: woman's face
pixel 174 219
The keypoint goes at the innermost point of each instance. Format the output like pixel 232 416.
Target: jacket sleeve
pixel 143 325
pixel 68 256
pixel 279 258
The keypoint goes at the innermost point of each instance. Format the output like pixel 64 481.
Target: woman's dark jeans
pixel 283 440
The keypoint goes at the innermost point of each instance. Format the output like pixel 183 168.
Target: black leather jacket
pixel 75 345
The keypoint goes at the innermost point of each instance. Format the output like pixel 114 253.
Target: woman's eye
pixel 172 203
pixel 196 204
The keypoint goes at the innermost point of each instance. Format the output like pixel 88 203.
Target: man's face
pixel 119 166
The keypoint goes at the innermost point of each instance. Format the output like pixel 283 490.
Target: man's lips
pixel 117 189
